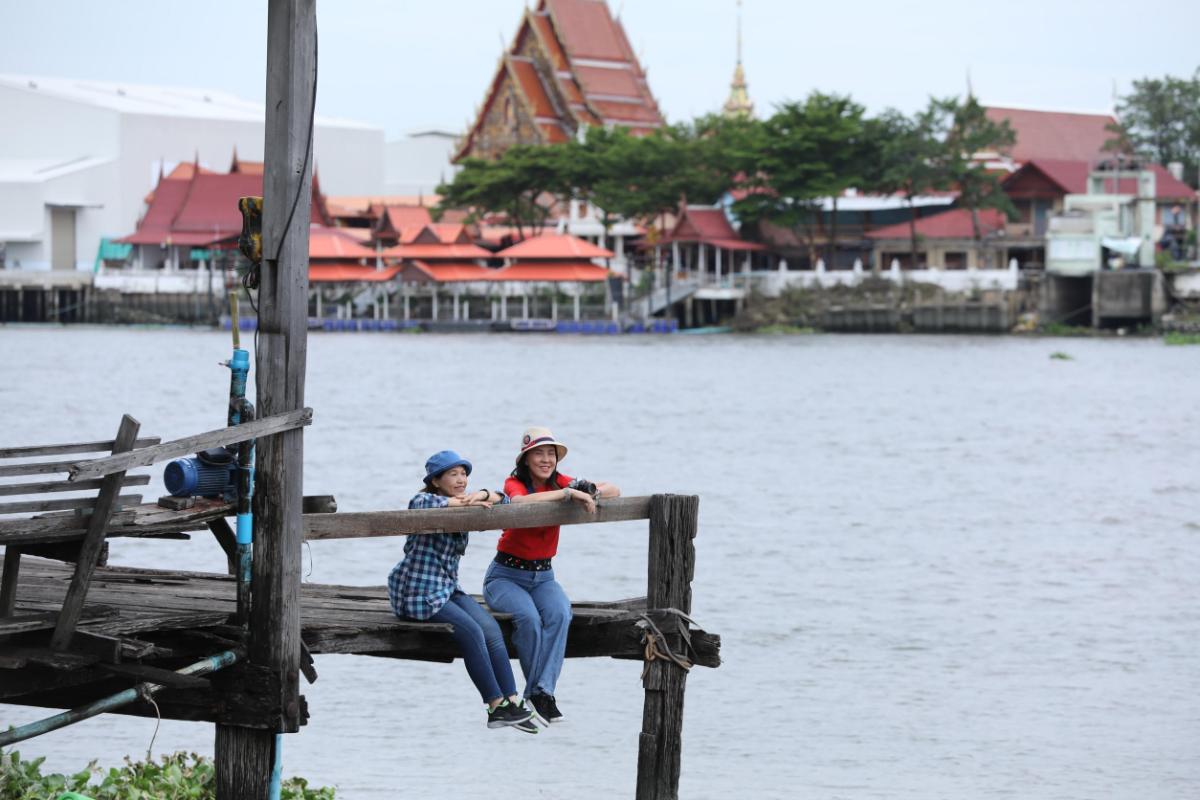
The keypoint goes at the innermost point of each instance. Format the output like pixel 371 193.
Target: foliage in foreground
pixel 180 776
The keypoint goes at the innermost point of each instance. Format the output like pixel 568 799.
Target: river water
pixel 941 567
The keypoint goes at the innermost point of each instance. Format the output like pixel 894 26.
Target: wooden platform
pixel 139 621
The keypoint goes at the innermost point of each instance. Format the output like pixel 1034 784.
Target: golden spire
pixel 739 104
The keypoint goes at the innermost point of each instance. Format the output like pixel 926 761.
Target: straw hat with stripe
pixel 536 437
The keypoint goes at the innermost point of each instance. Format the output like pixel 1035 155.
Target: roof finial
pixel 738 104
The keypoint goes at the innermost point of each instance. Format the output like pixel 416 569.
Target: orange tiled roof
pixel 554 246
pixel 437 252
pixel 446 272
pixel 334 243
pixel 348 273
pixel 551 271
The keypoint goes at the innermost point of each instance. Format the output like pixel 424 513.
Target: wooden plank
pixel 23 623
pixel 47 487
pixel 36 468
pixel 8 582
pixel 673 520
pixel 53 527
pixel 77 447
pixel 89 551
pixel 470 518
pixel 259 428
pixel 64 504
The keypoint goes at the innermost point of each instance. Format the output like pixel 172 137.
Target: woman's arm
pixel 607 490
pixel 557 496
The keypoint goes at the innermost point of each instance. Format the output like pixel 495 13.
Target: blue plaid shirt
pixel 424 581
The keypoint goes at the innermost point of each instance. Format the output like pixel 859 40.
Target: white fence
pixel 772 283
pixel 156 281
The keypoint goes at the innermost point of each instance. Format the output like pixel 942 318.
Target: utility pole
pixel 247 759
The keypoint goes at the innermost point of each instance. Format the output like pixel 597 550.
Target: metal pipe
pixel 277 769
pixel 112 702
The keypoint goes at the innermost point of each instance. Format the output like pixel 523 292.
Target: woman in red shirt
pixel 520 581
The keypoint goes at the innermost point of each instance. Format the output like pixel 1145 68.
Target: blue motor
pixel 212 473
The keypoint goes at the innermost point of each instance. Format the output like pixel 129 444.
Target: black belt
pixel 534 565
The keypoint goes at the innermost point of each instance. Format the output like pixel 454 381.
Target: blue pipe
pixel 277 769
pixel 112 702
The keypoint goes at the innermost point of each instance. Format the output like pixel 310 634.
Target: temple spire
pixel 738 104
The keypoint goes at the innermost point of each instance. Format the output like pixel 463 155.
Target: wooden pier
pixel 231 649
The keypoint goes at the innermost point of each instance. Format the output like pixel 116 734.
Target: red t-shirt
pixel 530 543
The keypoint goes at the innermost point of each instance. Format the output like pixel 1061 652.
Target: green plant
pixel 179 776
pixel 780 328
pixel 1181 338
pixel 1061 356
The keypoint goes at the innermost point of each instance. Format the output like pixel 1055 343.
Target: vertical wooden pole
pixel 672 560
pixel 245 757
pixel 8 583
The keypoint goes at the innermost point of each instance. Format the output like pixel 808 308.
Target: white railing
pixel 155 281
pixel 772 283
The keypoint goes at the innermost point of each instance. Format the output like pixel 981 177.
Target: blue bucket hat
pixel 443 460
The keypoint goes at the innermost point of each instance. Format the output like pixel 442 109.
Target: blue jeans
pixel 482 645
pixel 541 616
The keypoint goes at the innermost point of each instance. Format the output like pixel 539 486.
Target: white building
pixel 77 158
pixel 418 163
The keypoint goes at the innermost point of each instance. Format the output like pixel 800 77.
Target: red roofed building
pixel 570 65
pixel 554 246
pixel 705 244
pixel 945 241
pixel 1059 135
pixel 394 221
pixel 198 212
pixel 1038 187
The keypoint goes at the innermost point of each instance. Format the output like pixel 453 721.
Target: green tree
pixel 807 152
pixel 521 184
pixel 966 134
pixel 1160 119
pixel 906 156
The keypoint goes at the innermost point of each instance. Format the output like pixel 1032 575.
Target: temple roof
pixel 953 224
pixel 570 64
pixel 202 208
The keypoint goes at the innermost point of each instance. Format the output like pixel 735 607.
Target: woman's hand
pixel 476 498
pixel 583 498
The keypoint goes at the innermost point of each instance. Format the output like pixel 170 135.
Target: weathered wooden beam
pixel 227 540
pixel 46 487
pixel 673 521
pixel 244 758
pixel 470 518
pixel 89 551
pixel 259 428
pixel 164 677
pixel 32 451
pixel 65 504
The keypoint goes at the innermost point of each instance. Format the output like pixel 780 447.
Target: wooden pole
pixel 672 561
pixel 245 757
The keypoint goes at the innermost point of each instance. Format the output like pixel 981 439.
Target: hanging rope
pixel 655 642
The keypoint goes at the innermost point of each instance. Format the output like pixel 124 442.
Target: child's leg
pixel 493 641
pixel 506 590
pixel 470 639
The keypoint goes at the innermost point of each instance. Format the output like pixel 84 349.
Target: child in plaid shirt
pixel 424 586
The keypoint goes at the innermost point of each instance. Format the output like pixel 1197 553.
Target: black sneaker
pixel 546 708
pixel 507 714
pixel 528 726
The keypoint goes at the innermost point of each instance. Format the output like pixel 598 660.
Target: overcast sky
pixel 406 65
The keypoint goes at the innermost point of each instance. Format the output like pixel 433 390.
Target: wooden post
pixel 8 583
pixel 93 543
pixel 245 757
pixel 672 561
